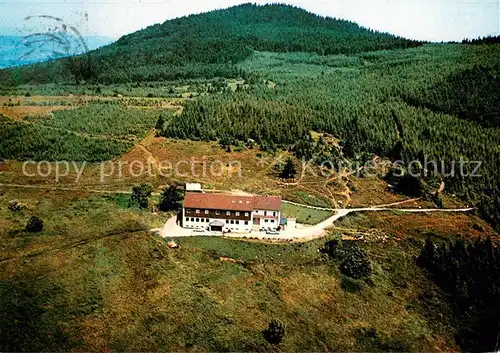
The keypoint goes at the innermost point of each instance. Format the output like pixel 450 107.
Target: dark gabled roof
pixel 232 202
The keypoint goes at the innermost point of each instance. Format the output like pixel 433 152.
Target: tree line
pixel 470 273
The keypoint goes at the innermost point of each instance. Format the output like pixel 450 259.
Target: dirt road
pixel 319 229
pixel 172 230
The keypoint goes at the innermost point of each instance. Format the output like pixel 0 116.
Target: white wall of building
pixel 199 222
pixel 268 219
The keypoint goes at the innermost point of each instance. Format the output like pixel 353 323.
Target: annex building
pixel 224 213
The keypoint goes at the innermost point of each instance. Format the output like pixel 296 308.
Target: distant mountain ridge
pixel 15 52
pixel 209 44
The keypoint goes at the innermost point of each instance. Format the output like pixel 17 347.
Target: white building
pixel 222 213
pixel 193 187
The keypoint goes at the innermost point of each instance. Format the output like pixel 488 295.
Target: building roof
pixel 231 202
pixel 269 203
pixel 218 202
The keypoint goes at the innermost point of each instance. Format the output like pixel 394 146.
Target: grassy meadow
pixel 94 279
pixel 305 215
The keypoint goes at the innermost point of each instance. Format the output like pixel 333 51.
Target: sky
pixel 431 20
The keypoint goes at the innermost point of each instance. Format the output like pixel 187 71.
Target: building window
pixel 246 223
pixel 197 219
pixel 197 211
pixel 232 222
pixel 272 220
pixel 265 213
pixel 228 213
pixel 246 214
pixel 206 212
pixel 217 213
pixel 227 221
pixel 237 222
pixel 188 211
pixel 266 220
pixel 237 213
pixel 274 214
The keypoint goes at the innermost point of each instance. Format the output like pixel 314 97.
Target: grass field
pixel 95 279
pixel 305 215
pixel 69 217
pixel 159 299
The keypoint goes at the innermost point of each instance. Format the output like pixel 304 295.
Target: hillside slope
pixel 207 45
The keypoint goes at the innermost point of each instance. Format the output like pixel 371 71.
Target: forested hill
pixel 225 35
pixel 208 44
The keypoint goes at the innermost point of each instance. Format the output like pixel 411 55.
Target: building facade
pixel 230 213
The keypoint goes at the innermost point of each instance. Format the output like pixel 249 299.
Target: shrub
pixel 404 183
pixel 160 123
pixel 171 199
pixel 409 185
pixel 438 200
pixel 34 225
pixel 356 263
pixel 141 194
pixel 16 206
pixel 289 170
pixel 478 227
pixel 275 332
pixel 331 248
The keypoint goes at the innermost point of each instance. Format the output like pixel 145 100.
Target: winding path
pixel 318 230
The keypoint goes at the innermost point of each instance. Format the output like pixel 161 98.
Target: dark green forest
pixel 31 142
pixel 209 45
pixel 97 132
pixel 470 273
